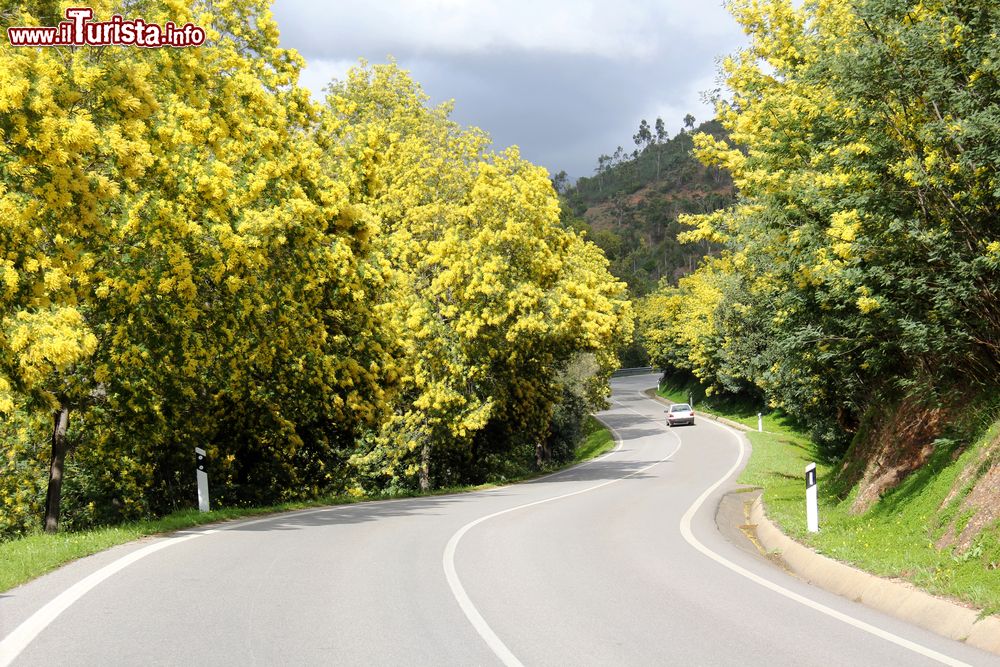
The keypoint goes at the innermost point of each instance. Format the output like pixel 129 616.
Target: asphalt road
pixel 615 562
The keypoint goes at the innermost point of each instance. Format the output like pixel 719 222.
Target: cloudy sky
pixel 566 80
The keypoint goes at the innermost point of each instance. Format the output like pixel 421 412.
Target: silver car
pixel 680 413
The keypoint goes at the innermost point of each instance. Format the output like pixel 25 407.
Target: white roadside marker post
pixel 202 480
pixel 760 422
pixel 812 512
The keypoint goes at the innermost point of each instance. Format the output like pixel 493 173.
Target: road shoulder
pixel 897 598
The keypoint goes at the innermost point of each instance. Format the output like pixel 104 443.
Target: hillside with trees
pixel 632 205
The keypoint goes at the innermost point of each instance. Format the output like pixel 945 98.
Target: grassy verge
pixel 896 537
pixel 29 557
pixel 597 441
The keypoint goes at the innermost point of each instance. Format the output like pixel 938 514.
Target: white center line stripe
pixel 448 559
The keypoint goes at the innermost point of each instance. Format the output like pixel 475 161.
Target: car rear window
pixel 680 407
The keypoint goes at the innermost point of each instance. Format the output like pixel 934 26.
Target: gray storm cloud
pixel 565 81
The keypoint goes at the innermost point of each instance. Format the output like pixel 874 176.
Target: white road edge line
pixel 13 644
pixel 685 527
pixel 455 583
pixel 18 640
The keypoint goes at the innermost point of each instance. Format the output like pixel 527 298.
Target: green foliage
pixel 491 298
pixel 626 174
pixel 630 208
pixel 566 427
pixel 310 293
pixel 177 272
pixel 861 261
pixel 23 469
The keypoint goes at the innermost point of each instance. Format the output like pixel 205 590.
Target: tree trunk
pixel 542 454
pixel 60 423
pixel 425 468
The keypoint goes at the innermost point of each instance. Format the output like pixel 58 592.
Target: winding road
pixel 615 562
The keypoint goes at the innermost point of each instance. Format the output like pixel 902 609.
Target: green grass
pixel 896 537
pixel 597 441
pixel 26 558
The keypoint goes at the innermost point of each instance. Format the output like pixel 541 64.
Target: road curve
pixel 615 562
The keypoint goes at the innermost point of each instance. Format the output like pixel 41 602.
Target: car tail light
pixel 670 414
pixel 692 413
